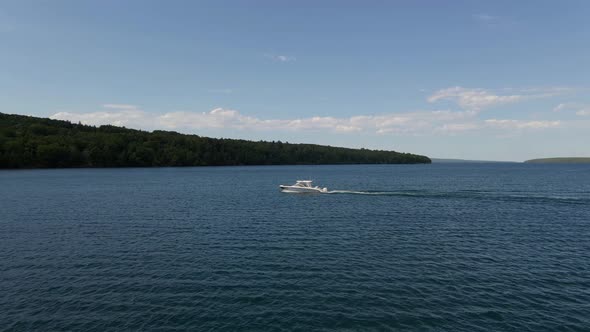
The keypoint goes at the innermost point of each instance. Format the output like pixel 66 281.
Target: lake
pixel 449 247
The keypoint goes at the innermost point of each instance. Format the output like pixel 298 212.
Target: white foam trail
pixel 358 192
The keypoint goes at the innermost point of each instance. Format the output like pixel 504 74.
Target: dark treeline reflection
pixel 30 142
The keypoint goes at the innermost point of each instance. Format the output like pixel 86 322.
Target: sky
pixel 487 80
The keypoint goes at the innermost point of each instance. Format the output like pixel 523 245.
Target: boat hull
pixel 301 190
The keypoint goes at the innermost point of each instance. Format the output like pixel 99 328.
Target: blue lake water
pixel 466 247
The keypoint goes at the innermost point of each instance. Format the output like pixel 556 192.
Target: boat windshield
pixel 303 183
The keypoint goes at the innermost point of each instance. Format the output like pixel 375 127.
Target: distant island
pixel 465 161
pixel 32 142
pixel 564 160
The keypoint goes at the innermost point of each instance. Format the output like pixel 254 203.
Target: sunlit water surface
pixel 472 247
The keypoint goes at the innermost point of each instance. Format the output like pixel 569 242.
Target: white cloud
pixel 217 118
pixel 120 106
pixel 493 21
pixel 455 128
pixel 485 17
pixel 415 123
pixel 473 99
pixel 578 108
pixel 440 122
pixel 281 58
pixel 561 107
pixel 118 118
pixel 521 124
pixel 477 99
pixel 347 129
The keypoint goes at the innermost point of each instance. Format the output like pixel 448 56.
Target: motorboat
pixel 302 186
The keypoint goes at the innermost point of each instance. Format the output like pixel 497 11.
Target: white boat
pixel 302 186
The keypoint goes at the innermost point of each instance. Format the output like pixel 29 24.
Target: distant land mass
pixel 460 161
pixel 562 160
pixel 31 142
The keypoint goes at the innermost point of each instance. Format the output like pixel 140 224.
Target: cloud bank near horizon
pixel 472 102
pixel 417 123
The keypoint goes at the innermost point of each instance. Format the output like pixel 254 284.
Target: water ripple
pixel 199 249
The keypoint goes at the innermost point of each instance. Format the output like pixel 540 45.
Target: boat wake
pixel 410 193
pixel 305 187
pixel 470 194
pixel 352 192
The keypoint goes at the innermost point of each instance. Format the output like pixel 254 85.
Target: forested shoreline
pixel 32 142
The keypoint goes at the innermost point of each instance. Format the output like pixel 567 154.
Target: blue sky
pixel 495 80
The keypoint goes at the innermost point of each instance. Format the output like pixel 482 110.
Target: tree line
pixel 31 142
